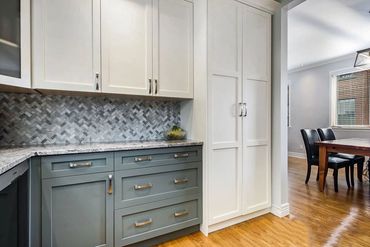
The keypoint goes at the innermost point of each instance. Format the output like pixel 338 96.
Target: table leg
pixel 323 166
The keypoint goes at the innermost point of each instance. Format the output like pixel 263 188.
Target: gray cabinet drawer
pixel 156 157
pixel 136 187
pixel 76 164
pixel 135 227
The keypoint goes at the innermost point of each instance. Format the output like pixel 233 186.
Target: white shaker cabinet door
pixel 173 48
pixel 66 45
pixel 225 124
pixel 127 41
pixel 257 123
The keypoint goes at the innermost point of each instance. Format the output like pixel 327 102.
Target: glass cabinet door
pixel 10 32
pixel 15 42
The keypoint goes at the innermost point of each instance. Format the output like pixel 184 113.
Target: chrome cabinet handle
pixel 241 114
pixel 143 223
pixel 150 86
pixel 110 186
pixel 245 109
pixel 143 158
pixel 180 181
pixel 97 81
pixel 143 186
pixel 181 155
pixel 80 164
pixel 156 86
pixel 181 213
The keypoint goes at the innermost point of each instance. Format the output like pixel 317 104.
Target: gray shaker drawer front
pixel 148 224
pixel 76 164
pixel 136 189
pixel 156 157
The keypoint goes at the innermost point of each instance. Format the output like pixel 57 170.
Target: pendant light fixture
pixel 362 58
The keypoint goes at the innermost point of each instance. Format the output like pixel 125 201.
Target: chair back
pixel 310 137
pixel 326 134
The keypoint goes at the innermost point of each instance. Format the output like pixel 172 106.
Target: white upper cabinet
pixel 127 46
pixel 66 45
pixel 15 64
pixel 173 48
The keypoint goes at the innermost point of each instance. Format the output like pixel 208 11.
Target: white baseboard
pixel 237 220
pixel 280 211
pixel 297 155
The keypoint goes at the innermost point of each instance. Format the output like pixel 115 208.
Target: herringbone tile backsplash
pixel 33 119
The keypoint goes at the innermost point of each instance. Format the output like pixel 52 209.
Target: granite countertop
pixel 11 157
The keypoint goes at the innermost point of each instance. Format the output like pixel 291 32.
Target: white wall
pixel 310 102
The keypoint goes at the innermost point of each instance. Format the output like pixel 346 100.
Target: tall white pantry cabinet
pixel 238 178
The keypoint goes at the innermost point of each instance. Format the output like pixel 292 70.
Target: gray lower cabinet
pixel 77 211
pixel 116 199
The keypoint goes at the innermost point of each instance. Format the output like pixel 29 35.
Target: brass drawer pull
pixel 180 181
pixel 143 223
pixel 143 186
pixel 143 158
pixel 183 155
pixel 80 164
pixel 110 186
pixel 181 213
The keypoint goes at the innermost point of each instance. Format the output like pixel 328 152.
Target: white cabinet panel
pixel 224 185
pixel 173 48
pixel 224 36
pixel 225 98
pixel 66 52
pixel 257 44
pixel 127 46
pixel 256 123
pixel 256 178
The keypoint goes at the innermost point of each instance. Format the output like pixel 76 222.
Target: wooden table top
pixel 353 143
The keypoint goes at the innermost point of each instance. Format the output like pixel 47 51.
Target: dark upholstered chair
pixel 310 137
pixel 327 134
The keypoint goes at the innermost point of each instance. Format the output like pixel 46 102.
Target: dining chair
pixel 327 134
pixel 310 137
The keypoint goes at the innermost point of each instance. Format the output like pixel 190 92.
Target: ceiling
pixel 320 30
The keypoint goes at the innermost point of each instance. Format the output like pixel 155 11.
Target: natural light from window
pixel 351 99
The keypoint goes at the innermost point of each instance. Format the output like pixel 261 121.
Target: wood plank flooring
pixel 316 219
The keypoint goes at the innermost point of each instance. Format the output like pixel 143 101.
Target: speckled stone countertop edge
pixel 11 157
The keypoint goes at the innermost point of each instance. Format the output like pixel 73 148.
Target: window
pixel 351 99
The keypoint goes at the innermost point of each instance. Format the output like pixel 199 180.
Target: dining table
pixel 356 146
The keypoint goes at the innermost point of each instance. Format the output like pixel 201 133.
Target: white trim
pixel 280 211
pixel 269 6
pixel 237 220
pixel 321 63
pixel 297 155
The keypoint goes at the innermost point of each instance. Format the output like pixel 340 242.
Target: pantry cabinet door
pixel 66 45
pixel 127 46
pixel 257 122
pixel 225 122
pixel 173 48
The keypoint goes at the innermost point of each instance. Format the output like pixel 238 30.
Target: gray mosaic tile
pixel 33 119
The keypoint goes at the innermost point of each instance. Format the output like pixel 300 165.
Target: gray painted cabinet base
pixel 111 199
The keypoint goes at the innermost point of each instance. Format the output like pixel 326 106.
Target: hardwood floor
pixel 316 219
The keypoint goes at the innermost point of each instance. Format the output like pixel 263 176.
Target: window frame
pixel 333 96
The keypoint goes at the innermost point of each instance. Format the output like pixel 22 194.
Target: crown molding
pixel 269 6
pixel 324 62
